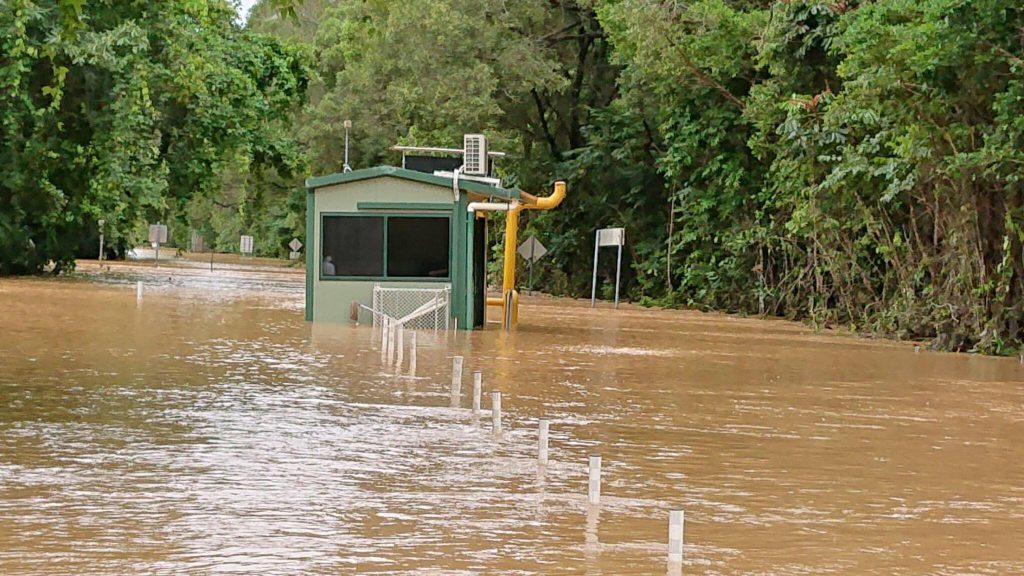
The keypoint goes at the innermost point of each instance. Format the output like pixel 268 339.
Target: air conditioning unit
pixel 474 154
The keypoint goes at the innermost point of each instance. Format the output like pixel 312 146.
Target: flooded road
pixel 210 430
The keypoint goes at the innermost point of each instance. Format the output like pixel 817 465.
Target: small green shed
pixel 396 231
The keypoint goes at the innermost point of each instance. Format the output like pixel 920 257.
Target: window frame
pixel 384 254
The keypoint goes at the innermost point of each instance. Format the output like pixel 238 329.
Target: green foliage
pixel 127 112
pixel 847 162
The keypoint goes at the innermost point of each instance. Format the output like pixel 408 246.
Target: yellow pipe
pixel 508 279
pixel 551 201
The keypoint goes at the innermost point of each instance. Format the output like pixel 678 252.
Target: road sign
pixel 246 245
pixel 611 237
pixel 532 249
pixel 158 233
pixel 608 237
pixel 295 245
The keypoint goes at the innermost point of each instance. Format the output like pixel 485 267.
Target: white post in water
pixel 391 343
pixel 383 338
pixel 138 290
pixel 412 353
pixel 477 385
pixel 542 443
pixel 456 380
pixel 594 495
pixel 496 411
pixel 675 537
pixel 401 348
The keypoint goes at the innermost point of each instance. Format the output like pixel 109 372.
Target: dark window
pixel 354 245
pixel 417 247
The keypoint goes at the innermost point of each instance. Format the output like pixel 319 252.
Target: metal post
pixel 593 282
pixel 594 494
pixel 211 258
pixel 412 354
pixel 477 385
pixel 401 348
pixel 542 443
pixel 347 124
pixel 101 223
pixel 675 536
pixel 496 411
pixel 456 381
pixel 618 273
pixel 533 247
pixel 508 311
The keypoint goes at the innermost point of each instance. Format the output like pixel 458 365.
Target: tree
pixel 126 112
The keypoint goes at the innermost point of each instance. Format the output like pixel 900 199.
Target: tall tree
pixel 125 111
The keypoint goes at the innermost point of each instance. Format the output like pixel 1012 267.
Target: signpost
pixel 532 250
pixel 295 245
pixel 157 236
pixel 101 223
pixel 246 244
pixel 608 237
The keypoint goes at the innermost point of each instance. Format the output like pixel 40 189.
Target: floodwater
pixel 210 430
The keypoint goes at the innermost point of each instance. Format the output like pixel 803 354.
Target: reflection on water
pixel 210 429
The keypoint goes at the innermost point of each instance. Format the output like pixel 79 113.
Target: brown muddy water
pixel 211 430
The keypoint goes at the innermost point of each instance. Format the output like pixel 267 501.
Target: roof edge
pixel 315 182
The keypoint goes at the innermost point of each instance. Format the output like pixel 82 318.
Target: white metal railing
pixel 413 308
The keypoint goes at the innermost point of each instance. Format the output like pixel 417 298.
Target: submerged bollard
pixel 675 536
pixel 391 343
pixel 594 494
pixel 477 385
pixel 412 353
pixel 496 411
pixel 138 290
pixel 401 348
pixel 542 443
pixel 456 380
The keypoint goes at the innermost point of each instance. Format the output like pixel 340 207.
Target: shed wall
pixel 331 299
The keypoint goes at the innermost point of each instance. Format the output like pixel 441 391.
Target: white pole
pixel 594 495
pixel 138 290
pixel 456 380
pixel 593 282
pixel 496 411
pixel 383 338
pixel 401 348
pixel 412 353
pixel 542 443
pixel 618 274
pixel 391 344
pixel 477 385
pixel 675 536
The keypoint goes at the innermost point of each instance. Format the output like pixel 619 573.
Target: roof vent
pixel 474 154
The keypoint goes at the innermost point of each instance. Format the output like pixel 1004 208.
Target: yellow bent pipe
pixel 508 279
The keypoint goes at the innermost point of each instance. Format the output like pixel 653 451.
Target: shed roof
pixel 422 177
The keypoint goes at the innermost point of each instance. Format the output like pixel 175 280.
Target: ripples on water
pixel 211 430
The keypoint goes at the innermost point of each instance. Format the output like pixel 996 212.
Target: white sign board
pixel 608 237
pixel 532 250
pixel 246 245
pixel 295 245
pixel 158 233
pixel 611 237
pixel 293 255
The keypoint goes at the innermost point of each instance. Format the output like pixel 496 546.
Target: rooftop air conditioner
pixel 474 155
